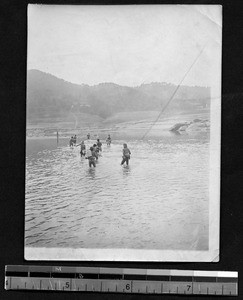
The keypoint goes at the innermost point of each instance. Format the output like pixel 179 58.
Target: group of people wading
pixel 73 141
pixel 93 153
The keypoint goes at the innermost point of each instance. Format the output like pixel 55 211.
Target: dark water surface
pixel 159 202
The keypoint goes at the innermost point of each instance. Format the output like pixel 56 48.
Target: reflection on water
pixel 159 201
pixel 126 170
pixel 90 173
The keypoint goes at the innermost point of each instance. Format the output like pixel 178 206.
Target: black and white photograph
pixel 123 124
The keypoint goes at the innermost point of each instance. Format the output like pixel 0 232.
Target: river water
pixel 160 201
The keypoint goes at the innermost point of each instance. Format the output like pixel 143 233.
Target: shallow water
pixel 160 201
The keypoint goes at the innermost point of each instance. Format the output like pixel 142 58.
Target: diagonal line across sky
pixel 173 94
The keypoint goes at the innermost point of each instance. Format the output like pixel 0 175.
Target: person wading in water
pixel 99 145
pixel 96 151
pixel 71 142
pixel 126 155
pixel 90 155
pixel 82 148
pixel 108 140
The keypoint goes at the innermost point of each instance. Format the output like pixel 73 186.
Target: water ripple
pixel 153 203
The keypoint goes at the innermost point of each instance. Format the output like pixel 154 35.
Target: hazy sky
pixel 127 45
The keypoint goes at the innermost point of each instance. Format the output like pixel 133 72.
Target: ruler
pixel 118 280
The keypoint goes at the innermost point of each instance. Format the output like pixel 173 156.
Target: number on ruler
pixel 127 286
pixel 80 276
pixel 188 287
pixel 67 285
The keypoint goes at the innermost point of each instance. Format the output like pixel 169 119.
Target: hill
pixel 52 97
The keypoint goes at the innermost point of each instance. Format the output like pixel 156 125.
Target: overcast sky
pixel 127 45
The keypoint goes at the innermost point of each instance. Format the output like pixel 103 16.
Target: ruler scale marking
pixel 113 280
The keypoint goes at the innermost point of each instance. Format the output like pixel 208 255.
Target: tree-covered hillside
pixel 49 96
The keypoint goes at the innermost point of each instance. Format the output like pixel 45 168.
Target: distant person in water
pixel 75 139
pixel 82 148
pixel 96 151
pixel 71 142
pixel 99 144
pixel 126 155
pixel 90 155
pixel 108 140
pixel 88 136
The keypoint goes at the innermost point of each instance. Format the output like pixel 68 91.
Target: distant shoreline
pixel 120 123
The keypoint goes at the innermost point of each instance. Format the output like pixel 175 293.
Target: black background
pixel 13 53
